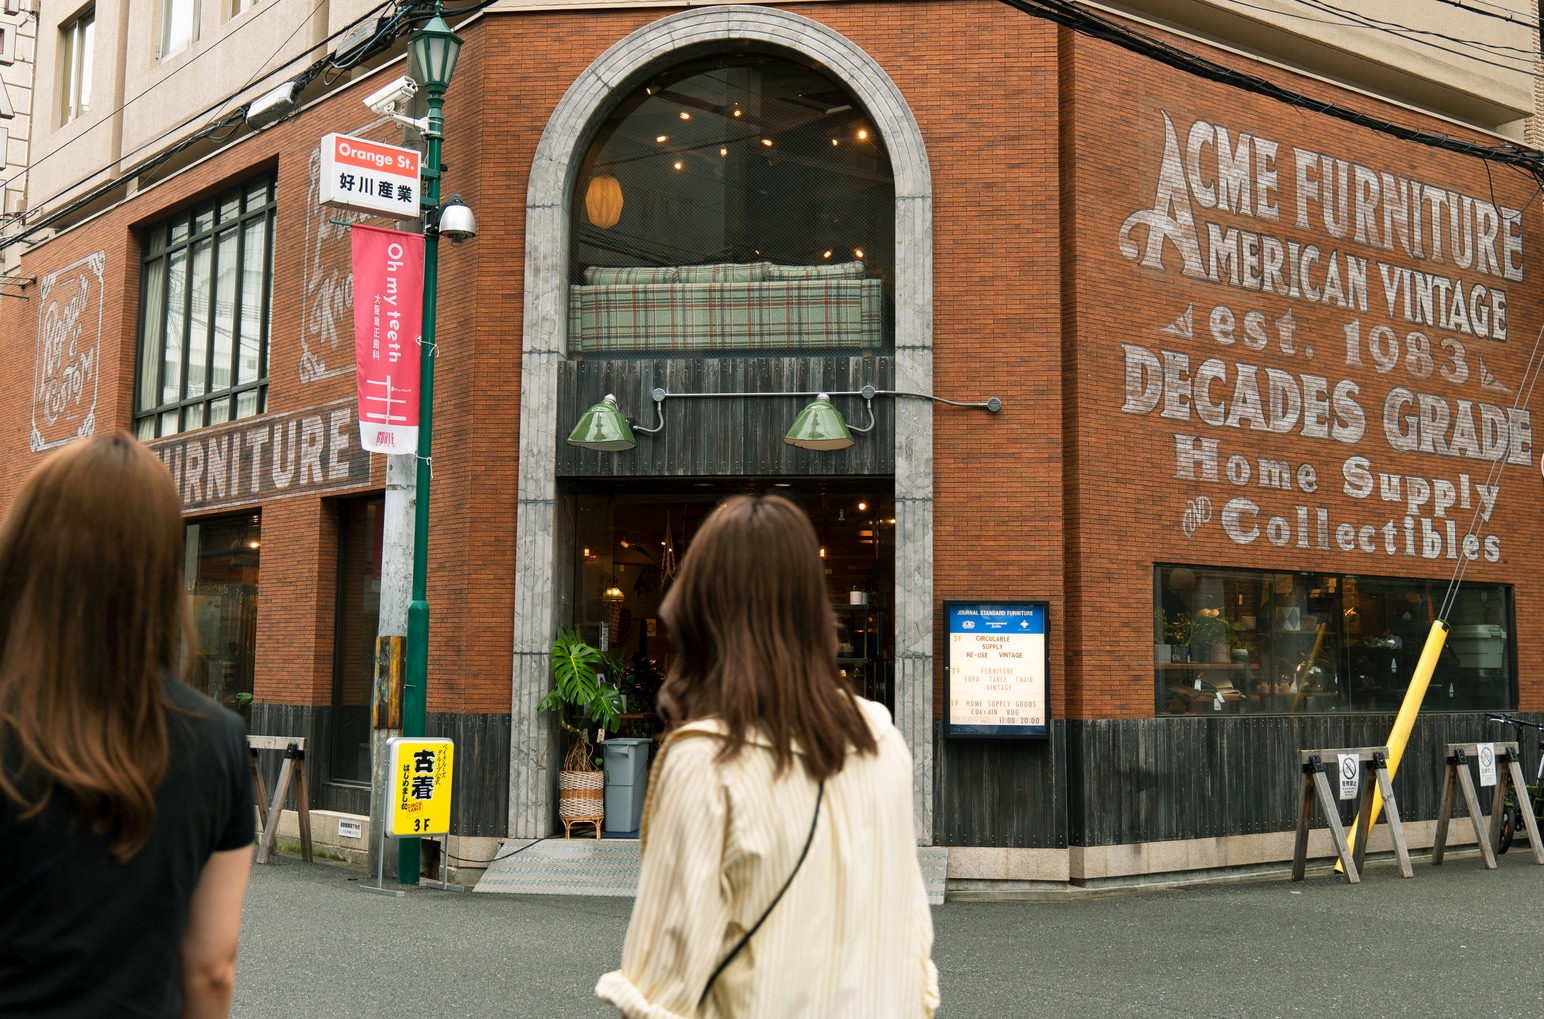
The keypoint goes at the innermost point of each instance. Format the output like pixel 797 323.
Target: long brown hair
pixel 756 638
pixel 92 614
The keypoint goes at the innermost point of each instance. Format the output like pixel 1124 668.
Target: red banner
pixel 388 318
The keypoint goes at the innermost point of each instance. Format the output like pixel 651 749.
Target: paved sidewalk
pixel 1454 941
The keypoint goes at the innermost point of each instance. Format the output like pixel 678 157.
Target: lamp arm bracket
pixel 992 404
pixel 419 124
pixel 659 410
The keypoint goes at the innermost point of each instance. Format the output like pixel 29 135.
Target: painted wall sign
pixel 388 312
pixel 1362 352
pixel 64 386
pixel 268 457
pixel 996 669
pixel 368 176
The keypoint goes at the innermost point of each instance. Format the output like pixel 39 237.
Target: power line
pixel 1097 26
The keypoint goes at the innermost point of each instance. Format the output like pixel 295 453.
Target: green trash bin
pixel 627 768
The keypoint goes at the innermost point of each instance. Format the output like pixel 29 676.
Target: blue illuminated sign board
pixel 996 669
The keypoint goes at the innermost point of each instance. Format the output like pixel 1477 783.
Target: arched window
pixel 734 202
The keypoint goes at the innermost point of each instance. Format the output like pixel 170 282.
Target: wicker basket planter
pixel 581 798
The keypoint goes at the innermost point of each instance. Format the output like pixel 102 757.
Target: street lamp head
pixel 435 49
pixel 456 222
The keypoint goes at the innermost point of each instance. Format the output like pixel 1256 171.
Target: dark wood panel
pixel 481 801
pixel 725 436
pixel 1158 779
pixel 1005 793
pixel 481 806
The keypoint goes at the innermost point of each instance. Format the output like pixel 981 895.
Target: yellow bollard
pixel 1405 720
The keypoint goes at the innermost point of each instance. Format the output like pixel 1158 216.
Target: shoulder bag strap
pixel 819 795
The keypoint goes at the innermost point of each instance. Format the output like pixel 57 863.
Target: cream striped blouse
pixel 851 938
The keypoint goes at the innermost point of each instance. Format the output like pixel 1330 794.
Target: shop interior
pixel 629 540
pixel 1248 641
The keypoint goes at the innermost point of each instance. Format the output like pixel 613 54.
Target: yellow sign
pixel 420 771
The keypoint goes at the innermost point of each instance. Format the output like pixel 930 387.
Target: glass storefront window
pixel 1251 641
pixel 358 618
pixel 220 571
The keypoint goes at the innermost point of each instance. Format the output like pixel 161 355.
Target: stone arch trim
pixel 533 744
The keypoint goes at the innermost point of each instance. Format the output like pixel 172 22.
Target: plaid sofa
pixel 728 306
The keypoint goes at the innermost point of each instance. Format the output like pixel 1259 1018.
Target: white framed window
pixel 75 43
pixel 204 313
pixel 179 26
pixel 240 6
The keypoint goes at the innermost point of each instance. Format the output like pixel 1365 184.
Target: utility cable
pixel 1096 26
pixel 496 859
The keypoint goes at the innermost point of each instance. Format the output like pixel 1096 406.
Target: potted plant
pixel 1208 632
pixel 1179 635
pixel 581 700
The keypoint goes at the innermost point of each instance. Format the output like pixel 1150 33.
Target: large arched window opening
pixel 734 202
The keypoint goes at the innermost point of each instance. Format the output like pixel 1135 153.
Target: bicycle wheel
pixel 1509 821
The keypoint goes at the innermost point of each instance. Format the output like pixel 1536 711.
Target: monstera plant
pixel 581 698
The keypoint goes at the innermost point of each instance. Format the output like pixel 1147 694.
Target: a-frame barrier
pixel 1509 768
pixel 1316 784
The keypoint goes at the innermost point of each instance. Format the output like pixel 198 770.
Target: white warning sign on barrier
pixel 1350 775
pixel 1487 755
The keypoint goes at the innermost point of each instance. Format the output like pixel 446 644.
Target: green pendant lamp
pixel 603 427
pixel 819 426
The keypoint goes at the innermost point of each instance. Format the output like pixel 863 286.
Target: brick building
pixel 1258 367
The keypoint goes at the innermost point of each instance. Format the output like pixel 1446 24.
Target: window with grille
pixel 204 320
pixel 75 41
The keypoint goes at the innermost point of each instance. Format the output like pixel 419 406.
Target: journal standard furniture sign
pixel 995 667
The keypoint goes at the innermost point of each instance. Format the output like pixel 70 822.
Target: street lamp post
pixel 435 49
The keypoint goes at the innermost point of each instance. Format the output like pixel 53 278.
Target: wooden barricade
pixel 1315 783
pixel 268 813
pixel 1508 768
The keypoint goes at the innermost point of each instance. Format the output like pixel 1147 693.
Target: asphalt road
pixel 1454 941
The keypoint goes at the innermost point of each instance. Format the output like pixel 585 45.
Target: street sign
pixel 420 771
pixel 996 665
pixel 369 177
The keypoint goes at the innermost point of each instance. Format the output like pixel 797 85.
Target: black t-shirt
pixel 83 935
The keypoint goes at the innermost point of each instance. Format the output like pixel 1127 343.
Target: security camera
pixel 388 101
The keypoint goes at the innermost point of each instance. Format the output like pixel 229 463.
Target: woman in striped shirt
pixel 780 805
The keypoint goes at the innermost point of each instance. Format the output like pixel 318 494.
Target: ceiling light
pixel 736 113
pixel 835 142
pixel 863 505
pixel 677 164
pixel 662 139
pixel 858 252
pixel 862 133
pixel 685 115
pixel 767 142
pixel 603 201
pixel 826 255
pixel 614 594
pixel 723 152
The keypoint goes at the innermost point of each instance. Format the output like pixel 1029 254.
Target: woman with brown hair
pixel 780 874
pixel 126 814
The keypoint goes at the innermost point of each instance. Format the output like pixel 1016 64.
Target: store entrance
pixel 628 539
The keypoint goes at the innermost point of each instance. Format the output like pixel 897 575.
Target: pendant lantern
pixel 603 201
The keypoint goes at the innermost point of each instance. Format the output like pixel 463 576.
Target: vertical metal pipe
pixel 415 696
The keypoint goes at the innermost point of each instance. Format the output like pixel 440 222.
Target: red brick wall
pixel 1040 143
pixel 1127 502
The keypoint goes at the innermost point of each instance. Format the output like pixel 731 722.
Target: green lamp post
pixel 435 49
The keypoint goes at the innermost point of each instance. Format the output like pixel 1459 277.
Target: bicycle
pixel 1510 817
